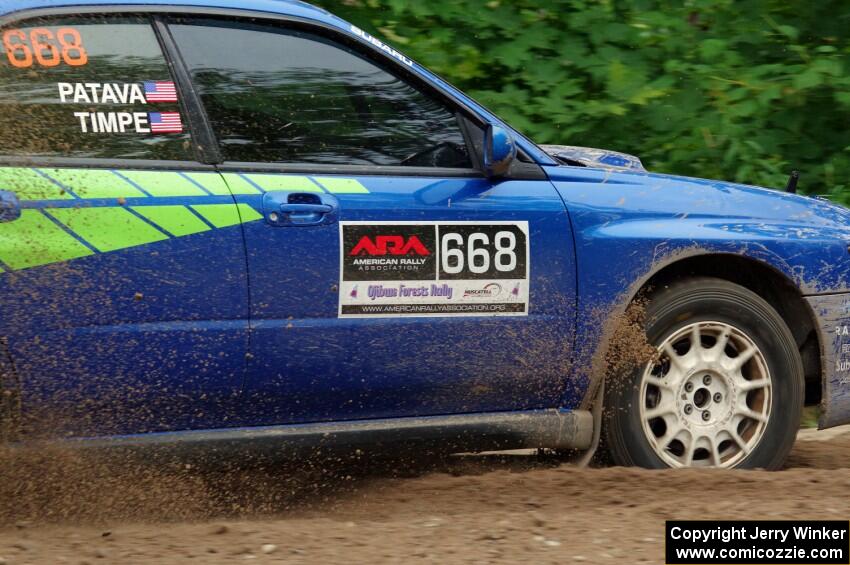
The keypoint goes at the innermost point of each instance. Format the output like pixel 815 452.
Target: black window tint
pixel 59 101
pixel 277 95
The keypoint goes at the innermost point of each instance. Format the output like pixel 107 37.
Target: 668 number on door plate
pixel 403 269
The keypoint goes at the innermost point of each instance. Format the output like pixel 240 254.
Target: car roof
pixel 294 8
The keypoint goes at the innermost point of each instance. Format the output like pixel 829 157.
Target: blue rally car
pixel 226 222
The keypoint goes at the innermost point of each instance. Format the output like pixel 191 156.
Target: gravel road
pixel 60 507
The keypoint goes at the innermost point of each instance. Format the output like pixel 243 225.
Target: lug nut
pixel 688 409
pixel 706 380
pixel 706 416
pixel 718 397
pixel 689 387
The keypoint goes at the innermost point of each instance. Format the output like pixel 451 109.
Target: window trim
pixel 102 163
pixel 205 144
pixel 338 40
pixel 354 170
pixel 520 170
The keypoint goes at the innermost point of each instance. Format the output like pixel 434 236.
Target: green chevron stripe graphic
pixel 341 186
pixel 239 185
pixel 28 184
pixel 212 183
pixel 108 229
pixel 176 220
pixel 54 235
pixel 283 182
pixel 55 184
pixel 219 215
pixel 89 183
pixel 162 184
pixel 33 240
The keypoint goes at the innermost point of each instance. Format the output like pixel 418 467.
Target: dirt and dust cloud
pixel 65 507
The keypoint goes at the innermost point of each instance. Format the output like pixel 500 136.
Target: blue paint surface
pixel 238 327
pixel 833 312
pixel 144 339
pixel 307 365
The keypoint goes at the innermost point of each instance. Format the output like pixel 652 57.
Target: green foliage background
pixel 743 90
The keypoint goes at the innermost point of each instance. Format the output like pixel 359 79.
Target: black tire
pixel 688 302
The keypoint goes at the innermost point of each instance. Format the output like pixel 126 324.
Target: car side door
pixel 389 277
pixel 122 266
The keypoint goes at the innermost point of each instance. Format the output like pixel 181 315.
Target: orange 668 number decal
pixel 44 48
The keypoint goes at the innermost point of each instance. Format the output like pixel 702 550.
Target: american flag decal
pixel 160 92
pixel 166 122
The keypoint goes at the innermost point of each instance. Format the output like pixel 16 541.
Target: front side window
pixel 94 87
pixel 285 96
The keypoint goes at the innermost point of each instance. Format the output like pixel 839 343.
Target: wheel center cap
pixel 704 398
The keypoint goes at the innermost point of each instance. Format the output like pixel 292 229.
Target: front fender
pixel 629 227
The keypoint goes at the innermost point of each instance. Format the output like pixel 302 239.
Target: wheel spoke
pixel 715 451
pixel 665 441
pixel 742 359
pixel 696 338
pixel 742 445
pixel 673 430
pixel 696 351
pixel 675 360
pixel 753 415
pixel 718 351
pixel 659 382
pixel 663 408
pixel 690 449
pixel 747 386
pixel 723 340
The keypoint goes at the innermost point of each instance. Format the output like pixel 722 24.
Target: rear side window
pixel 95 87
pixel 287 96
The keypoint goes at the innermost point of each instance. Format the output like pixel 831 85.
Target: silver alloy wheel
pixel 705 401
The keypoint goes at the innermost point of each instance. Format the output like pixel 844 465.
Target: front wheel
pixel 725 390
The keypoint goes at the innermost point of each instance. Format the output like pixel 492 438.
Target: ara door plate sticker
pixel 410 269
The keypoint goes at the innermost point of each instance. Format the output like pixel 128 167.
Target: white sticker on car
pixel 408 269
pixel 146 92
pixel 381 45
pixel 130 122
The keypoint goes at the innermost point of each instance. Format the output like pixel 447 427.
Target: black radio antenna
pixel 791 187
